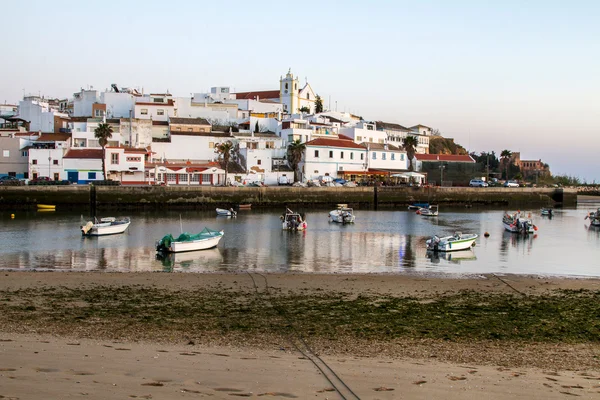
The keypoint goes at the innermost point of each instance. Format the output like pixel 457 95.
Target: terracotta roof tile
pixel 390 126
pixel 188 121
pixel 334 143
pixel 84 153
pixel 54 137
pixel 264 94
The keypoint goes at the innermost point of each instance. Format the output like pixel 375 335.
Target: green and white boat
pixel 456 242
pixel 207 239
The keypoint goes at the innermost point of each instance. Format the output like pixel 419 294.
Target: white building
pixel 8 110
pixel 126 164
pixel 187 146
pixel 157 107
pixel 364 132
pixel 83 165
pixel 396 133
pixel 46 156
pixel 83 102
pixel 41 116
pixel 257 153
pixel 386 157
pixel 332 157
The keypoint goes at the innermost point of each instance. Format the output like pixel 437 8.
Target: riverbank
pixel 173 197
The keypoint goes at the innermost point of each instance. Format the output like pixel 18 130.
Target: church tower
pixel 288 93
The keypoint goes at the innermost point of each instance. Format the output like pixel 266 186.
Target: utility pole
pixel 488 168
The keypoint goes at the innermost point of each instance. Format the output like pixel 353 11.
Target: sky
pixel 517 75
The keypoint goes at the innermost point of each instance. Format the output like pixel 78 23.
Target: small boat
pixel 456 242
pixel 292 221
pixel 418 206
pixel 517 223
pixel 547 212
pixel 226 213
pixel 343 214
pixel 106 226
pixel 46 207
pixel 432 211
pixel 244 206
pixel 594 217
pixel 207 239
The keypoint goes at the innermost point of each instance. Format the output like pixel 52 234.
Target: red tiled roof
pixel 54 137
pixel 129 149
pixel 160 122
pixel 444 157
pixel 84 153
pixel 27 134
pixel 334 143
pixel 265 94
pixel 344 137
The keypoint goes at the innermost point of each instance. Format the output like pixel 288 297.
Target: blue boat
pixel 417 206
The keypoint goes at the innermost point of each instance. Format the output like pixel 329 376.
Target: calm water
pixel 379 242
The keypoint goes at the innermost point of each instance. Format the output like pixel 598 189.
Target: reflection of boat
pixel 431 211
pixel 226 213
pixel 343 214
pixel 458 241
pixel 548 212
pixel 292 221
pixel 517 223
pixel 453 256
pixel 106 226
pixel 200 257
pixel 416 206
pixel 206 239
pixel 594 217
pixel 46 207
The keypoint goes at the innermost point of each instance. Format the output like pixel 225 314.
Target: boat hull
pixel 226 213
pixel 512 228
pixel 104 229
pixel 201 244
pixel 342 217
pixel 451 243
pixel 46 207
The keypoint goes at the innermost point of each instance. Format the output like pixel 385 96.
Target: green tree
pixel 256 128
pixel 103 132
pixel 410 144
pixel 304 109
pixel 318 104
pixel 505 156
pixel 224 150
pixel 295 151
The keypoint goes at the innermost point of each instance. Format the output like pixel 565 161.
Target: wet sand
pixel 43 366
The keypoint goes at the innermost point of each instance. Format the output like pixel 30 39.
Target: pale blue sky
pixel 519 75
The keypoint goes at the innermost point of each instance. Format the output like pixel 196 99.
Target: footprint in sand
pixel 153 384
pixel 220 355
pixel 279 394
pixel 7 370
pixel 46 369
pixel 122 348
pixel 83 373
pixel 187 354
pixel 383 389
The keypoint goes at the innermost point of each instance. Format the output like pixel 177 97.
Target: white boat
pixel 547 212
pixel 226 213
pixel 594 217
pixel 292 221
pixel 207 239
pixel 518 223
pixel 431 211
pixel 106 226
pixel 456 242
pixel 418 206
pixel 343 214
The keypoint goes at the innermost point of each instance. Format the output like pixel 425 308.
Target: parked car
pixel 283 181
pixel 478 183
pixel 9 180
pixel 511 184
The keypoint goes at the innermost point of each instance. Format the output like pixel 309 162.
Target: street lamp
pixel 442 167
pixel 49 162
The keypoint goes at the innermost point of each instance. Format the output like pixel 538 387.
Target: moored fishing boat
pixel 343 214
pixel 206 239
pixel 106 226
pixel 417 206
pixel 594 217
pixel 548 212
pixel 456 242
pixel 518 223
pixel 292 221
pixel 431 211
pixel 226 213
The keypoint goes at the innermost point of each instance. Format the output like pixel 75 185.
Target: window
pixel 374 156
pixel 144 111
pixel 160 112
pixel 55 162
pixel 383 156
pixel 307 96
pixel 270 145
pixel 34 162
pixel 205 178
pixel 91 175
pixel 352 155
pixel 369 127
pixel 159 100
pixel 401 157
pixel 25 153
pixel 99 113
pixel 258 162
pixel 316 153
pixel 341 154
pixel 362 156
pixel 330 153
pixel 114 158
pixel 359 138
pixel 6 153
pixel 393 156
pixel 134 159
pixel 286 85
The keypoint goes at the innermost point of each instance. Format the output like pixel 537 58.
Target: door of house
pixel 72 176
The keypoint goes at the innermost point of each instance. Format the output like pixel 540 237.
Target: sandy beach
pixel 42 358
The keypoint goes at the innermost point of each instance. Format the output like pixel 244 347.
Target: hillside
pixel 441 145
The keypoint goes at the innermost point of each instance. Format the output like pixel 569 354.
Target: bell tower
pixel 288 93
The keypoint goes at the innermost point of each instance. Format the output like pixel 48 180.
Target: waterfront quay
pixel 159 197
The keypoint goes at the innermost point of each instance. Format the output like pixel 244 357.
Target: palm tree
pixel 103 132
pixel 295 151
pixel 410 144
pixel 505 157
pixel 224 149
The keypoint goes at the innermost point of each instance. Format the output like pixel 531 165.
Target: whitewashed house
pixel 126 164
pixel 396 133
pixel 188 174
pixel 83 166
pixel 386 158
pixel 46 156
pixel 332 157
pixel 157 107
pixel 258 153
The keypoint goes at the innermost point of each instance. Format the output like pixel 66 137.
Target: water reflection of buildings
pixel 516 240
